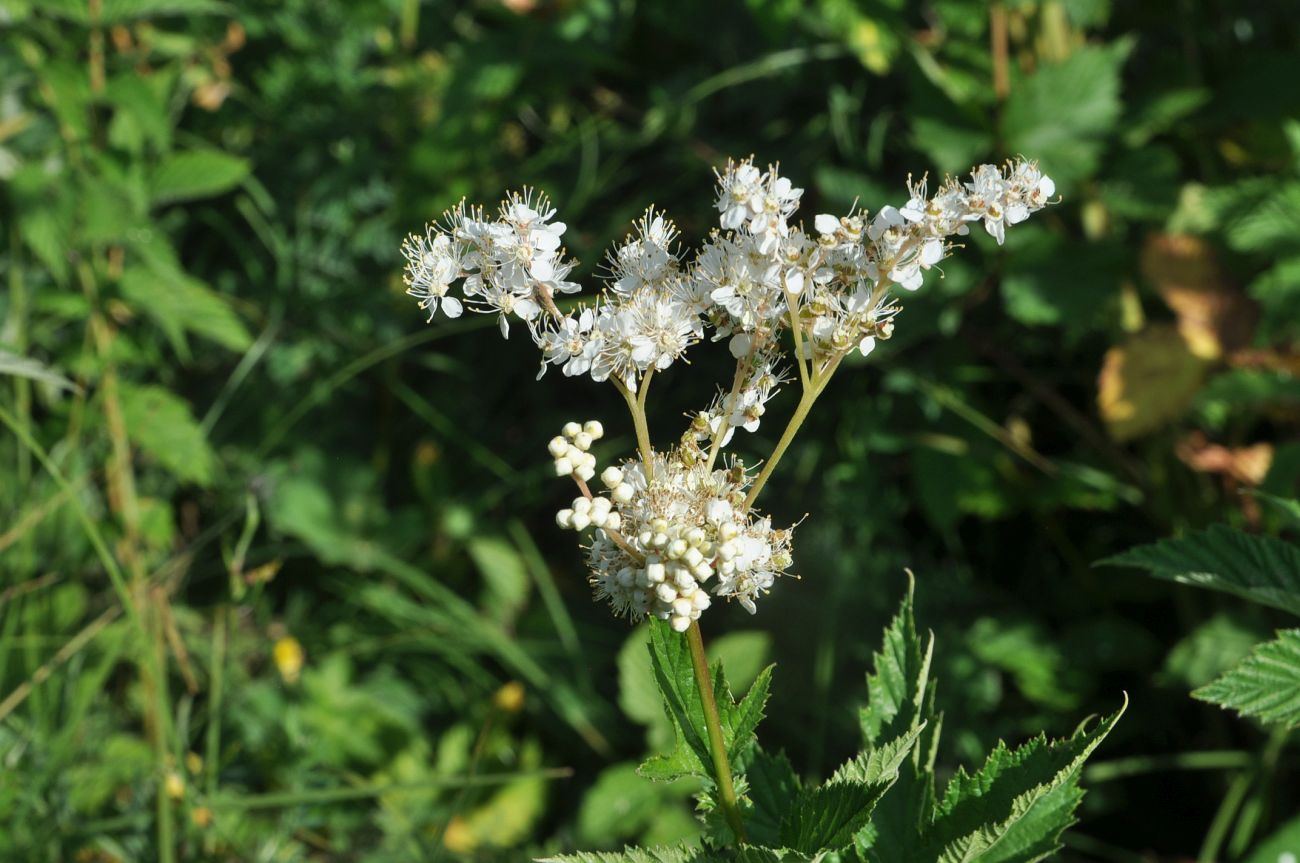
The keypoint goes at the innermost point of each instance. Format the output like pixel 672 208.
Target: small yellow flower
pixel 459 838
pixel 288 658
pixel 509 698
pixel 174 785
pixel 201 816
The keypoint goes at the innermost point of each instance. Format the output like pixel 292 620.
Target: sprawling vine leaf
pixel 1259 568
pixel 1265 685
pixel 675 676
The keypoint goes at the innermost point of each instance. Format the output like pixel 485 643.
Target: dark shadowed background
pixel 278 560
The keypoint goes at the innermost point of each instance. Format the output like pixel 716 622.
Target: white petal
pixel 825 223
pixel 931 253
pixel 867 345
pixel 542 269
pixel 1047 186
pixel 451 307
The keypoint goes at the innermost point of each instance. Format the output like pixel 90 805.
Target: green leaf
pixel 1259 568
pixel 826 818
pixel 901 687
pixel 618 805
pixel 181 304
pixel 1286 507
pixel 20 366
pixel 880 763
pixel 1018 804
pixel 898 687
pixel 1063 112
pixel 673 854
pixel 1275 848
pixel 1211 649
pixel 504 575
pixel 194 174
pixel 773 789
pixel 1265 685
pixel 160 423
pixel 675 678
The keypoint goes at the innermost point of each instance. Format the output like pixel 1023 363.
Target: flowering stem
pixel 639 423
pixel 798 339
pixel 717 746
pixel 820 378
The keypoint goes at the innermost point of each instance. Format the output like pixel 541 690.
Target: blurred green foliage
pixel 278 579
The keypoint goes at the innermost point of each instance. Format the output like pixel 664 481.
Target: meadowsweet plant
pixel 670 532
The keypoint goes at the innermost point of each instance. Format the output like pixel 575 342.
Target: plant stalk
pixel 717 746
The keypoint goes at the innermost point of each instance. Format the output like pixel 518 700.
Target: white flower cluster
pixel 570 449
pixel 667 545
pixel 511 266
pixel 668 535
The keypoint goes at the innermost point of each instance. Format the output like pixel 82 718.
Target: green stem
pixel 639 423
pixel 1236 796
pixel 717 747
pixel 819 380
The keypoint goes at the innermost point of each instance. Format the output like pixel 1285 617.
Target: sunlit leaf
pixel 1265 685
pixel 1259 568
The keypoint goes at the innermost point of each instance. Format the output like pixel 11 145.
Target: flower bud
pixel 557 447
pixel 594 429
pixel 571 429
pixel 611 477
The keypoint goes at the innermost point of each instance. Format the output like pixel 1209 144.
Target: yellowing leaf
pixel 1214 317
pixel 1147 382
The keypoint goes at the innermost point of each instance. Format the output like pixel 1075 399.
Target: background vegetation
pixel 277 564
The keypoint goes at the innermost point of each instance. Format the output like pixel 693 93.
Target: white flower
pixel 568 343
pixel 433 262
pixel 645 259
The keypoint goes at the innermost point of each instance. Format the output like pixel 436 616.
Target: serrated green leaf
pixel 1018 804
pixel 879 763
pixel 675 678
pixel 1265 685
pixel 1258 568
pixel 897 687
pixel 194 174
pixel 828 817
pixel 160 423
pixel 895 829
pixel 773 789
pixel 1063 111
pixel 673 854
pixel 181 304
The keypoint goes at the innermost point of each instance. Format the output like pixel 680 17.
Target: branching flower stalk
pixel 674 530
